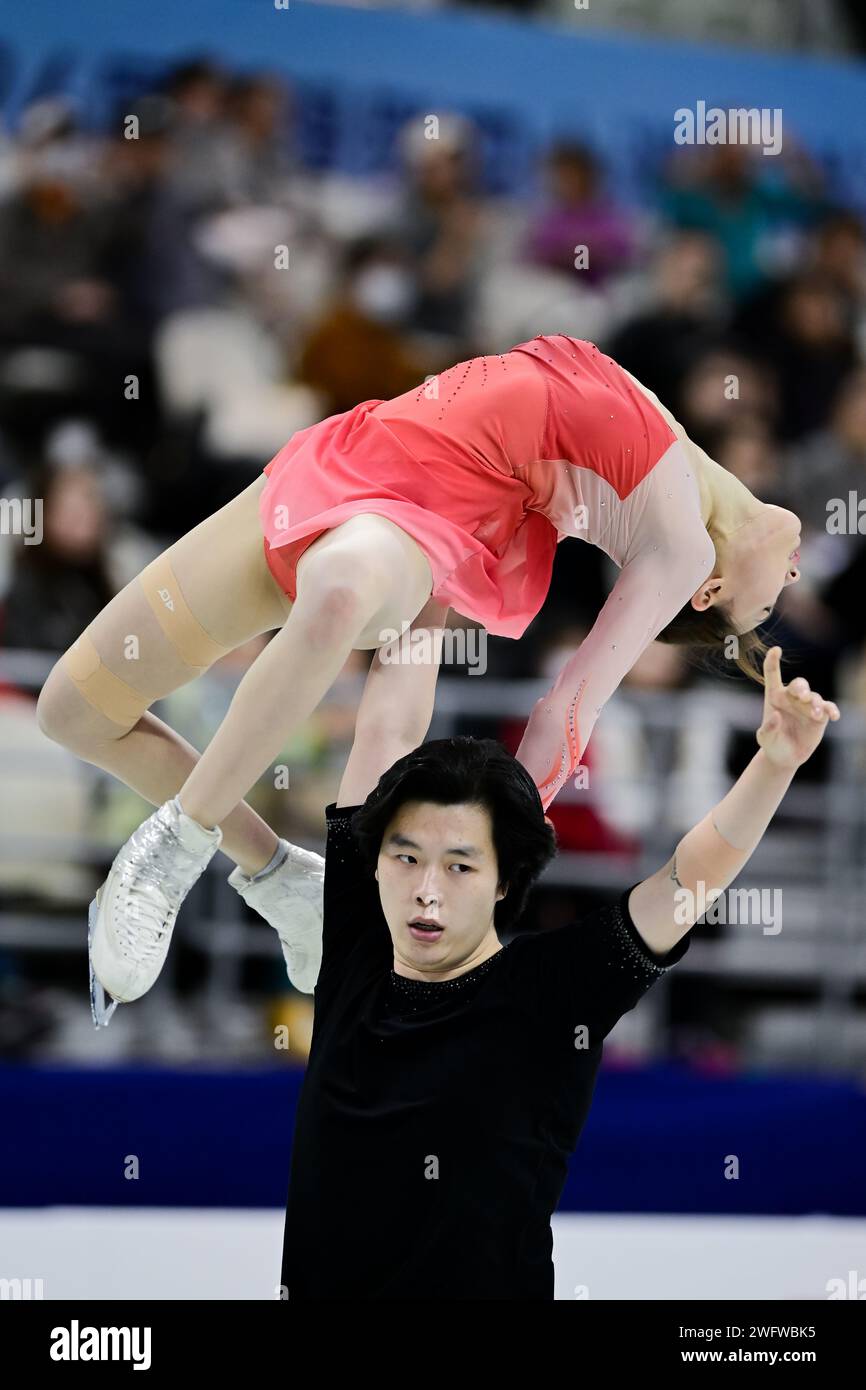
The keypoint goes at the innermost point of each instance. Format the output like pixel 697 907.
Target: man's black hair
pixel 451 771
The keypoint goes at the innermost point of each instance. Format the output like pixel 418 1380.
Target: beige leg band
pixel 100 687
pixel 185 633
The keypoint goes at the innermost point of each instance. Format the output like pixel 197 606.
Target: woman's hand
pixel 795 717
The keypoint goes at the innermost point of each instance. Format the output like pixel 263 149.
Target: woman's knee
pixel 55 707
pixel 79 708
pixel 340 590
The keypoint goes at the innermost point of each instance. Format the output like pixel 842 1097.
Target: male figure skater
pixel 450 1075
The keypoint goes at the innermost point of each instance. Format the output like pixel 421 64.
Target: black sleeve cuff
pixel 659 962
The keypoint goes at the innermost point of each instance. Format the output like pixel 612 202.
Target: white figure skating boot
pixel 290 897
pixel 132 917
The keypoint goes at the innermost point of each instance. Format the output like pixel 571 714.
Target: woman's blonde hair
pixel 707 631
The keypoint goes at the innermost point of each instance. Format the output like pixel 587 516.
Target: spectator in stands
pixel 836 252
pixel 682 320
pixel 50 139
pixel 818 624
pixel 59 585
pixel 53 286
pixel 843 597
pixel 830 462
pixel 155 262
pixel 197 92
pixel 580 214
pixel 840 252
pixel 254 158
pixel 441 223
pixel 725 190
pixel 748 450
pixel 66 338
pixel 809 345
pixel 360 348
pixel 719 387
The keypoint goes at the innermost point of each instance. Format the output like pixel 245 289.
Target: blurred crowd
pixel 179 294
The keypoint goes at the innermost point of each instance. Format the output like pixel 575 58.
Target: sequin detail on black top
pixel 634 957
pixel 427 990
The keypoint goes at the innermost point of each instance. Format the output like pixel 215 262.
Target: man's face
pixel 439 863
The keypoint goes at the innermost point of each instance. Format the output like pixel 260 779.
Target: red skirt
pixel 491 558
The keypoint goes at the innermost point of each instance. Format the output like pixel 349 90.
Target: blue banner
pixel 359 73
pixel 658 1139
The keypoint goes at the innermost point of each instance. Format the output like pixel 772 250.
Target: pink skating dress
pixel 488 466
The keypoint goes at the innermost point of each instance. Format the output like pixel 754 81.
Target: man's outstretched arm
pixel 396 707
pixel 714 851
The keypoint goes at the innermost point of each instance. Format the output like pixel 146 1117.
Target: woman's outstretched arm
pixel 708 858
pixel 396 706
pixel 650 590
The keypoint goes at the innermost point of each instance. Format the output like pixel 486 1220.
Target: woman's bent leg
pixel 363 577
pixel 95 699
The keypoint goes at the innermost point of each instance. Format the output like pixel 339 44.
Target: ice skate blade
pixel 100 1009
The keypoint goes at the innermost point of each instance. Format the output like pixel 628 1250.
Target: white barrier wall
pixel 106 1253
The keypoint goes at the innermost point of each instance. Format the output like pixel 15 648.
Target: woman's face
pixel 756 562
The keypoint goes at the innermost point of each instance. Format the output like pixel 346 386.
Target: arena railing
pixel 814 855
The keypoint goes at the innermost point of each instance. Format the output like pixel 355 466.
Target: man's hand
pixel 716 849
pixel 795 717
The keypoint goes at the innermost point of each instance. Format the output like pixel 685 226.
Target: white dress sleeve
pixel 669 557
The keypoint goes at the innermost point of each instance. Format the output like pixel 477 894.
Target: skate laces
pixel 152 886
pixel 144 923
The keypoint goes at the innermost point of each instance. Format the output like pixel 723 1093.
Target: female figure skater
pixel 455 494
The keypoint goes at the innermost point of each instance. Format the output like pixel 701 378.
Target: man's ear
pixel 376 875
pixel 500 896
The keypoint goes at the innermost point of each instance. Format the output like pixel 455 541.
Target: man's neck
pixel 408 972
